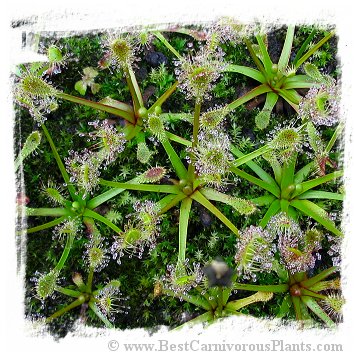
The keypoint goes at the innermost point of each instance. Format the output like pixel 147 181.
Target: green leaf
pixel 195 130
pixel 197 300
pixel 276 167
pixel 95 88
pixel 59 163
pixel 247 71
pixel 185 209
pixel 65 309
pixel 99 314
pixel 288 172
pixel 104 220
pixel 321 195
pixel 65 253
pixel 211 297
pixel 265 200
pixel 200 198
pixel 298 81
pixel 291 96
pixel 162 99
pixel 134 90
pixel 260 296
pixel 117 104
pixel 226 293
pixel 90 73
pixel 246 158
pixel 46 225
pixel 285 307
pixel 306 292
pixel 170 201
pixel 286 50
pixel 68 292
pixel 131 131
pixel 255 58
pixel 263 88
pixel 313 72
pixel 272 188
pixel 316 309
pixel 312 50
pixel 317 213
pixel 300 52
pixel 280 270
pixel 299 276
pixel 184 117
pixel 307 185
pixel 304 172
pixel 293 213
pixel 334 137
pixel 105 196
pixel 279 288
pixel 239 204
pixel 141 187
pixel 21 69
pixel 178 139
pixel 80 87
pixel 284 204
pixel 102 198
pixel 273 209
pixel 166 43
pixel 205 317
pixel 305 313
pixel 46 212
pixel 31 144
pixel 296 301
pixel 128 115
pixel 143 153
pixel 262 119
pixel 313 138
pixel 319 277
pixel 264 53
pixel 175 160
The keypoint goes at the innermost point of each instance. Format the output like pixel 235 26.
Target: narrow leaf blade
pixel 317 213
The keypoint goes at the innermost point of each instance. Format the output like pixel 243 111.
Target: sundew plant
pixel 180 176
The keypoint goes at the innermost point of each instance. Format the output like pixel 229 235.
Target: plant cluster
pixel 148 176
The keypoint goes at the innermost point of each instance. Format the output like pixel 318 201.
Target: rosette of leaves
pixel 288 190
pixel 278 79
pixel 212 295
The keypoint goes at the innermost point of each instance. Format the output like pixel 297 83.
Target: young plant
pixel 298 254
pixel 304 296
pixel 278 79
pixel 75 208
pixel 105 302
pixel 213 295
pixel 289 191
